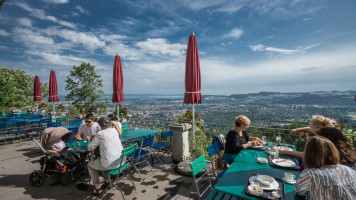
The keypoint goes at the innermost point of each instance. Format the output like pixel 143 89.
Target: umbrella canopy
pixel 192 93
pixel 117 83
pixel 37 96
pixel 192 73
pixel 53 90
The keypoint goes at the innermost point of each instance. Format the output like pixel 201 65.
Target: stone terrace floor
pixel 18 160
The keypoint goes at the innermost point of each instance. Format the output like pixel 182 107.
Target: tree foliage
pixel 83 84
pixel 15 88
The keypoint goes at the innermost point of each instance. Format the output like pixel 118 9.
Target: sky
pixel 244 46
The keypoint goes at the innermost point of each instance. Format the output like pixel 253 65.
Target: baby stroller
pixel 65 164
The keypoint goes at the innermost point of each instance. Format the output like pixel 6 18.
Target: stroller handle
pixel 38 144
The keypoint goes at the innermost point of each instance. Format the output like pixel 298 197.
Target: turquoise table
pixel 129 136
pixel 135 135
pixel 236 176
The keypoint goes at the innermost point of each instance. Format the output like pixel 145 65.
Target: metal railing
pixel 212 129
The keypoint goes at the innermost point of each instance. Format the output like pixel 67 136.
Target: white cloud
pixel 260 47
pixel 57 1
pixel 3 33
pixel 160 46
pixel 229 9
pixel 41 14
pixel 32 39
pixel 234 33
pixel 82 10
pixel 110 38
pixel 25 22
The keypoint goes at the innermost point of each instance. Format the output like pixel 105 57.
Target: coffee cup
pixel 289 177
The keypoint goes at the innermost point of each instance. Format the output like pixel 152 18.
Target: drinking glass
pixel 264 139
pixel 278 140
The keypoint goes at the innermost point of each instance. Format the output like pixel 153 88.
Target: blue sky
pixel 244 46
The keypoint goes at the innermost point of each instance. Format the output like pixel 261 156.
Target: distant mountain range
pixel 310 98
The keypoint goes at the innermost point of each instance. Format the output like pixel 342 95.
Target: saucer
pixel 290 182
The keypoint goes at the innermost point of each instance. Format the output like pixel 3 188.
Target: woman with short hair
pixel 238 139
pixel 109 144
pixel 324 178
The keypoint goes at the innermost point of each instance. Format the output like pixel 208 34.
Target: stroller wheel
pixel 66 179
pixel 37 178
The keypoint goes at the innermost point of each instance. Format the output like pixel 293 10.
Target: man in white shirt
pixel 89 128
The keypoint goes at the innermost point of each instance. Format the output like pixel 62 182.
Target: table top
pixel 137 134
pixel 129 136
pixel 236 177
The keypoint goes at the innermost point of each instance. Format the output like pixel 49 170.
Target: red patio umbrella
pixel 192 93
pixel 117 83
pixel 53 90
pixel 37 96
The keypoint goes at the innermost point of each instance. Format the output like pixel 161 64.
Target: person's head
pixel 341 142
pixel 112 117
pixel 317 122
pixel 89 119
pixel 242 121
pixel 105 122
pixel 320 151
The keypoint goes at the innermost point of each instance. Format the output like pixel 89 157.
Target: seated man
pixel 89 129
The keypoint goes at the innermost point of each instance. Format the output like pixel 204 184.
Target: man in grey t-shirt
pixel 89 128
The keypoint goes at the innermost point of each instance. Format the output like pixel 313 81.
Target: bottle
pixel 88 138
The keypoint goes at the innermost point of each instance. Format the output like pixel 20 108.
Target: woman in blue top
pixel 238 139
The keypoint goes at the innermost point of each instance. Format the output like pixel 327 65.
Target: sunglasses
pixel 88 121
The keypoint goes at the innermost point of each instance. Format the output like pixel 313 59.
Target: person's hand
pixel 254 143
pixel 294 131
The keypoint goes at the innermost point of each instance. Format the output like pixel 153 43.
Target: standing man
pixel 89 128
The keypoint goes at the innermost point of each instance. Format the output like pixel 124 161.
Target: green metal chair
pixel 126 152
pixel 198 166
pixel 125 127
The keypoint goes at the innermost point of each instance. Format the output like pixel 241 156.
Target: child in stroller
pixel 63 162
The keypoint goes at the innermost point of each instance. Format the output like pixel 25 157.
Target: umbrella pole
pixel 117 110
pixel 193 132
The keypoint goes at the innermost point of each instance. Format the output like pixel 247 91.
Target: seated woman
pixel 342 144
pixel 115 123
pixel 238 139
pixel 109 144
pixel 317 122
pixel 323 177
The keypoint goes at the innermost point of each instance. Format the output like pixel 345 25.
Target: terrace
pixel 20 158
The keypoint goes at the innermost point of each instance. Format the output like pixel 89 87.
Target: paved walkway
pixel 18 160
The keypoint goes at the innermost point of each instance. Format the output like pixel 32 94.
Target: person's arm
pixel 55 149
pixel 304 183
pixel 297 154
pixel 255 139
pixel 80 133
pixel 298 130
pixel 118 129
pixel 94 144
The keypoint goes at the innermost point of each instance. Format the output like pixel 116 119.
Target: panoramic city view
pixel 178 99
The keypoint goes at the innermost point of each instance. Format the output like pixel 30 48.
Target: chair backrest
pixel 125 127
pixel 167 134
pixel 198 165
pixel 129 150
pixel 3 125
pixel 47 120
pixel 147 142
pixel 75 122
pixel 54 124
pixel 20 123
pixel 33 117
pixel 213 149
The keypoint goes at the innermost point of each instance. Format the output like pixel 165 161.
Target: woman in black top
pixel 238 139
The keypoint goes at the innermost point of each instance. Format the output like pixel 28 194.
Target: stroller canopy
pixel 51 135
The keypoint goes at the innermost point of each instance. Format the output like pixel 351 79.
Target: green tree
pixel 83 84
pixel 15 88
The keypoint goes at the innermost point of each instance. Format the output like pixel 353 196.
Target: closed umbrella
pixel 118 83
pixel 192 93
pixel 37 96
pixel 53 89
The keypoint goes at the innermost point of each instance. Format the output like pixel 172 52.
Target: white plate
pixel 290 182
pixel 262 160
pixel 286 148
pixel 284 162
pixel 273 186
pixel 257 146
